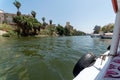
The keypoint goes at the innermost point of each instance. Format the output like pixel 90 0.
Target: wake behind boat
pixel 107 65
pixel 95 35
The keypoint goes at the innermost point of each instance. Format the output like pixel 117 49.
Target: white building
pixel 1 16
pixel 6 17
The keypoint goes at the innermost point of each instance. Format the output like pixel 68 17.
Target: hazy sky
pixel 82 14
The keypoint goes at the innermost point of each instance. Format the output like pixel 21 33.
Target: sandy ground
pixel 2 32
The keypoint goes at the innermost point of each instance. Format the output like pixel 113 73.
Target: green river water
pixel 48 58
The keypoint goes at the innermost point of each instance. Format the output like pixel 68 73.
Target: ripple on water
pixel 50 58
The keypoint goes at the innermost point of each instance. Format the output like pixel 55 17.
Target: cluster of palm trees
pixel 29 25
pixel 26 24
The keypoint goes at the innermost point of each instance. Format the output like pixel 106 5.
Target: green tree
pixel 17 5
pixel 108 28
pixel 50 21
pixel 33 13
pixel 44 23
pixel 97 29
pixel 60 30
pixel 27 25
pixel 67 31
pixel 43 19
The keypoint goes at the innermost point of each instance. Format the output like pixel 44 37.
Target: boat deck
pixel 95 72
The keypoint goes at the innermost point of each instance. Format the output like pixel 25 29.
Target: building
pixel 1 16
pixel 68 26
pixel 6 17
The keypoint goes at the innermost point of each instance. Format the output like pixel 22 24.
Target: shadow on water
pixel 32 53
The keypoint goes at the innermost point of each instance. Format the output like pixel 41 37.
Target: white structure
pixel 1 16
pixel 6 17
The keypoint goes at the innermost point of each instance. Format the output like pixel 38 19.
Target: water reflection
pixel 68 43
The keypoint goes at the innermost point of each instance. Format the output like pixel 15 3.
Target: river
pixel 48 58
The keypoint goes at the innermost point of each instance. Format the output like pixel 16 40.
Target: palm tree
pixel 97 29
pixel 50 21
pixel 28 25
pixel 44 23
pixel 43 19
pixel 33 14
pixel 17 5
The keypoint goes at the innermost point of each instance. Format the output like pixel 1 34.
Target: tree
pixel 67 31
pixel 27 24
pixel 108 28
pixel 43 19
pixel 44 23
pixel 50 21
pixel 33 13
pixel 97 29
pixel 17 5
pixel 60 30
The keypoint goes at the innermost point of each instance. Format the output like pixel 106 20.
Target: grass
pixel 8 28
pixel 5 27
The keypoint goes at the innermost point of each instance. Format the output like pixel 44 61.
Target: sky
pixel 82 14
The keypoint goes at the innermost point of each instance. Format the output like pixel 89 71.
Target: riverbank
pixel 41 35
pixel 2 32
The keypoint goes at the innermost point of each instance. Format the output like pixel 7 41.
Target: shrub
pixel 5 27
pixel 6 35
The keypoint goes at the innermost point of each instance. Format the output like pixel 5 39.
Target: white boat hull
pixel 96 71
pixel 106 37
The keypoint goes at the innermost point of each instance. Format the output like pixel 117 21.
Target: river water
pixel 48 58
